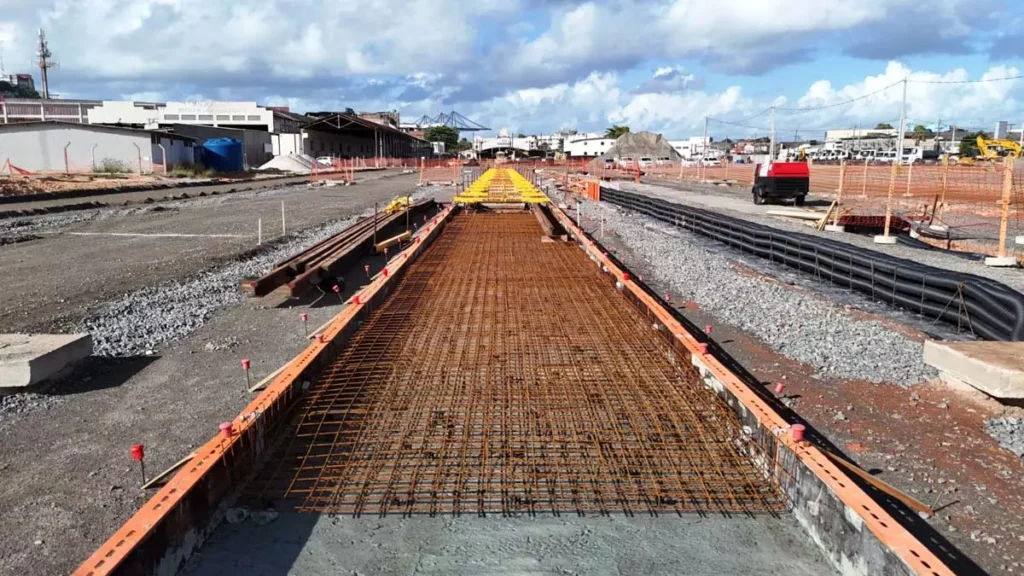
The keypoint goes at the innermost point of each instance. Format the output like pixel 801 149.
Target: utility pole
pixel 44 62
pixel 885 238
pixel 704 150
pixel 771 139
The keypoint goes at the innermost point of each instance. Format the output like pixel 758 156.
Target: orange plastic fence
pixel 340 170
pixel 440 171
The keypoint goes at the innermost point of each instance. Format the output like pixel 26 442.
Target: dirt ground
pixel 65 467
pixel 56 278
pixel 59 183
pixel 926 440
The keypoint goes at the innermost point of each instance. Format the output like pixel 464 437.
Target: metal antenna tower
pixel 44 62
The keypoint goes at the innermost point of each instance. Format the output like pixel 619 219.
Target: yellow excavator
pixel 990 150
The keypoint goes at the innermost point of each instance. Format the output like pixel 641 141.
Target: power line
pixel 850 101
pixel 980 80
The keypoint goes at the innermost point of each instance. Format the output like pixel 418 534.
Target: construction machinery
pixel 992 149
pixel 781 181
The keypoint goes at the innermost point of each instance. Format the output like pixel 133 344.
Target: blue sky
pixel 535 65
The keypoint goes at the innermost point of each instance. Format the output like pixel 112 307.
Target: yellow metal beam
pixel 502 185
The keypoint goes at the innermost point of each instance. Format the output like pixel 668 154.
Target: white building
pixel 124 113
pixel 694 147
pixel 211 113
pixel 54 146
pixel 587 145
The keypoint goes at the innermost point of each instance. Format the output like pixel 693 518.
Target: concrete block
pixel 1019 240
pixel 1004 262
pixel 995 368
pixel 885 239
pixel 834 228
pixel 27 359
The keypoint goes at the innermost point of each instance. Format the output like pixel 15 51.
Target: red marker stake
pixel 305 325
pixel 779 388
pixel 367 268
pixel 707 329
pixel 245 366
pixel 337 290
pixel 139 455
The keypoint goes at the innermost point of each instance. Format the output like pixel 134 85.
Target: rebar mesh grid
pixel 505 375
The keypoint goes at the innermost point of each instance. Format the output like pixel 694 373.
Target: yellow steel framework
pixel 502 185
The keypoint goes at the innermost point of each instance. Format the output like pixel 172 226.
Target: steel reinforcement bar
pixel 503 376
pixel 984 307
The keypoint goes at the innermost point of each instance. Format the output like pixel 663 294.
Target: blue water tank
pixel 223 154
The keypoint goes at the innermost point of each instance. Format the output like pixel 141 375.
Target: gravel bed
pixel 1013 277
pixel 801 325
pixel 137 323
pixel 24 402
pixel 1009 432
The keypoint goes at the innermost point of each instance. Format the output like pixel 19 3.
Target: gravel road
pixel 802 325
pixel 734 203
pixel 67 480
pixel 83 259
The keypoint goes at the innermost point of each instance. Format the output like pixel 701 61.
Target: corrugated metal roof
pixel 95 127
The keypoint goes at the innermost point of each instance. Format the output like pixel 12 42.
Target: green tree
pixel 520 135
pixel 883 126
pixel 969 144
pixel 921 133
pixel 463 145
pixel 615 131
pixel 8 89
pixel 446 134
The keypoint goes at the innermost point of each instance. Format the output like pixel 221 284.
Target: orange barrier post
pixel 1004 216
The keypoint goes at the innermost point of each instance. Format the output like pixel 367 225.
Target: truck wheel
pixel 758 199
pixel 800 200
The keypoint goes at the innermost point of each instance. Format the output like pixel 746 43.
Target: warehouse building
pixel 54 146
pixel 349 136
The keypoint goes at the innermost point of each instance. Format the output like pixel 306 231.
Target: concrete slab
pixel 881 239
pixel 995 368
pixel 1001 262
pixel 835 228
pixel 27 359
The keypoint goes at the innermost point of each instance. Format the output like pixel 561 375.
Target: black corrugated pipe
pixel 984 307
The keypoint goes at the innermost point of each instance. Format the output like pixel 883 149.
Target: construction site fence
pixel 446 171
pixel 99 164
pixel 975 208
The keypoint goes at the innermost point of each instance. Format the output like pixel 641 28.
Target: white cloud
pixel 931 96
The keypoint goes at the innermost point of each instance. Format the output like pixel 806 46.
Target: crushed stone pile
pixel 295 163
pixel 1009 432
pixel 642 145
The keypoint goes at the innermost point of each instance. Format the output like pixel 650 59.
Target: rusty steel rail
pixel 304 269
pixel 504 376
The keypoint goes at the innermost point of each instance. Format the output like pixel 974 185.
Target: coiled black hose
pixel 984 307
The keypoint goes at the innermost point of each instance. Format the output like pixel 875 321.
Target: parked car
pixel 645 162
pixel 325 160
pixel 712 162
